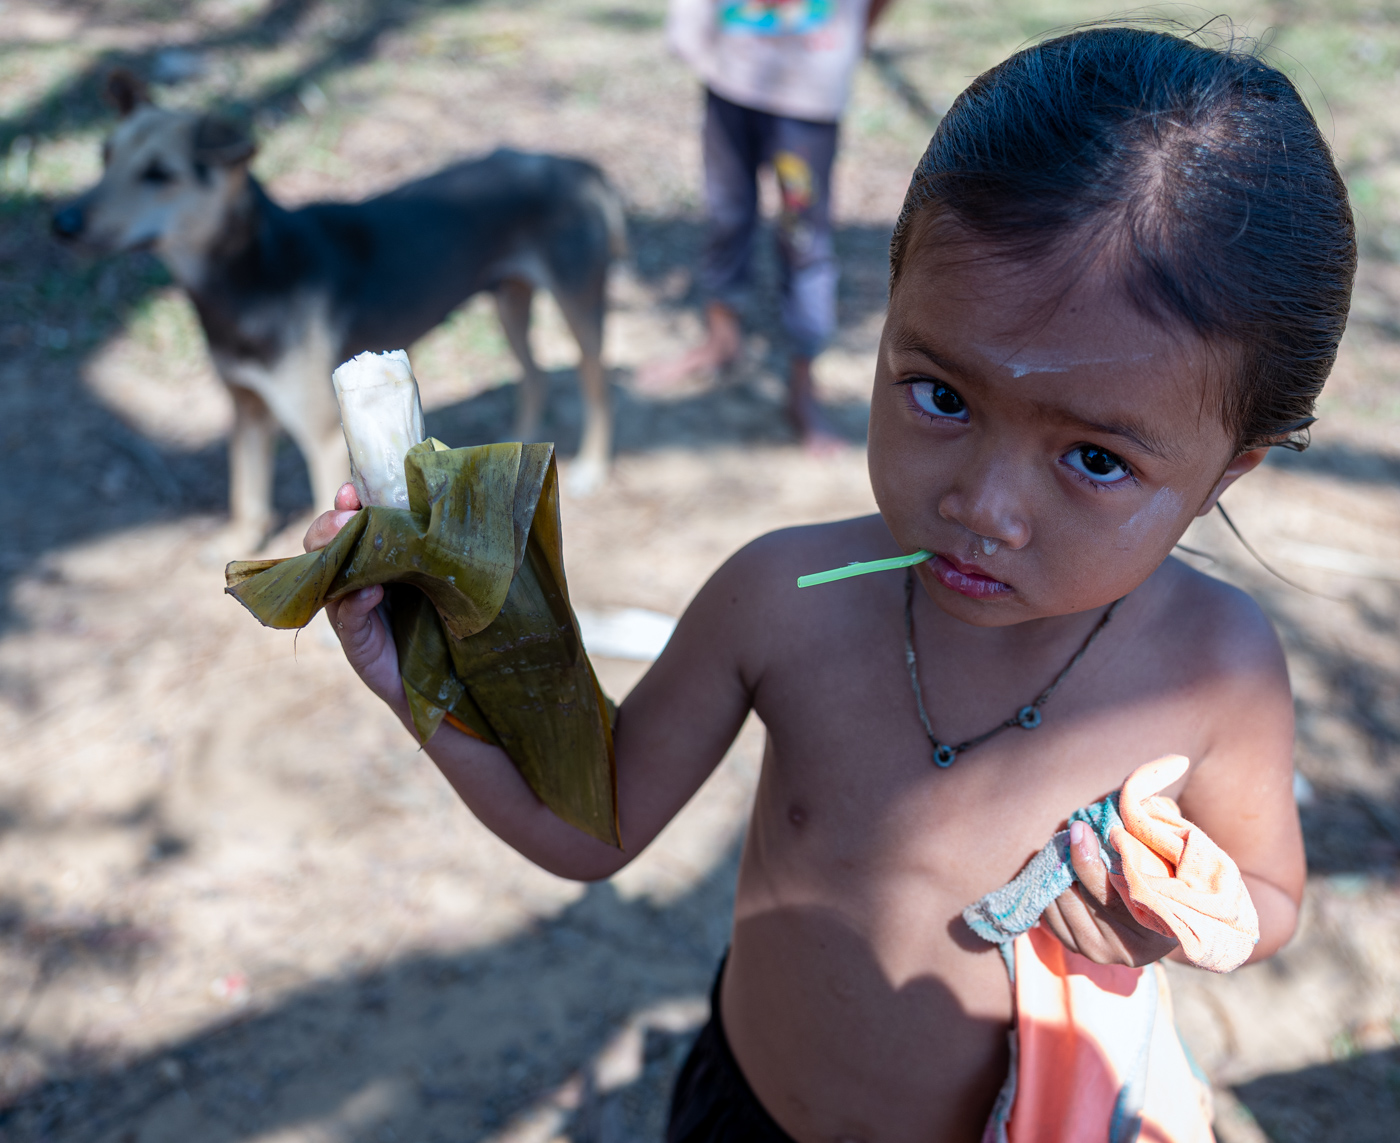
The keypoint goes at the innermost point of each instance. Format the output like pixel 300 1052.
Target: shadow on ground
pixel 1336 458
pixel 432 1046
pixel 1351 816
pixel 1356 1100
pixel 343 34
pixel 1348 832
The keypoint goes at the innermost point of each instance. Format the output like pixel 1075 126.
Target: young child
pixel 777 74
pixel 1120 275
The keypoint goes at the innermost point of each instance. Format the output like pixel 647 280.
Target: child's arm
pixel 1240 793
pixel 671 732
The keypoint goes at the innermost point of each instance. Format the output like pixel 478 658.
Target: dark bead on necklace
pixel 944 755
pixel 1028 717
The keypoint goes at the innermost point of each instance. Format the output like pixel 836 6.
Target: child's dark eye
pixel 1098 464
pixel 938 400
pixel 157 175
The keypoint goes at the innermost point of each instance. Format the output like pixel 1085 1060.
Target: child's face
pixel 1050 450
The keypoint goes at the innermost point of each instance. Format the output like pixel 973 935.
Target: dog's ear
pixel 125 90
pixel 221 142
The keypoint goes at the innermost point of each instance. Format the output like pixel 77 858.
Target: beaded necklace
pixel 1028 717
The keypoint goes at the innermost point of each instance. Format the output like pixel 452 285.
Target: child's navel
pixel 797 814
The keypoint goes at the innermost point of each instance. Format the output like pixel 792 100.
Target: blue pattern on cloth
pixel 1005 913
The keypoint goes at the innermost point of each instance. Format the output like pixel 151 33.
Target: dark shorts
pixel 712 1099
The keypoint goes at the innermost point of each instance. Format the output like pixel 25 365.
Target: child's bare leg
pixel 819 438
pixel 723 338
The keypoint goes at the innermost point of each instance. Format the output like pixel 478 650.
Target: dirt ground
pixel 237 904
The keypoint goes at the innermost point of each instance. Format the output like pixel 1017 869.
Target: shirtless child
pixel 1120 275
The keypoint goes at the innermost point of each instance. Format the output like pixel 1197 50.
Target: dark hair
pixel 1197 170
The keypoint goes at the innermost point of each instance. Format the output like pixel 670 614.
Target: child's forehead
pixel 1042 316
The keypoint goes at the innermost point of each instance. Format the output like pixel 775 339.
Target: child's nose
pixel 986 502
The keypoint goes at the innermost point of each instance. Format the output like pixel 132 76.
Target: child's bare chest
pixel 852 783
pixel 861 855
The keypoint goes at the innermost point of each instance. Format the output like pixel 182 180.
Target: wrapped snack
pixel 382 418
pixel 474 581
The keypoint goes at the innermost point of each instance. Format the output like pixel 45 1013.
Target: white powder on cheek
pixel 1164 505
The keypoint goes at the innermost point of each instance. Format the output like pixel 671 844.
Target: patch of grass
pixel 628 19
pixel 66 166
pixel 165 323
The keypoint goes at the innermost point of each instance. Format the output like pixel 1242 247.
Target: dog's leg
pixel 585 317
pixel 329 464
pixel 312 419
pixel 513 305
pixel 250 459
pixel 590 468
pixel 298 389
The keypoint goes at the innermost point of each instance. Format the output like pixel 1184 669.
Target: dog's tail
pixel 609 203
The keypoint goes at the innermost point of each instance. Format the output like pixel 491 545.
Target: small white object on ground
pixel 583 478
pixel 1303 792
pixel 627 633
pixel 383 418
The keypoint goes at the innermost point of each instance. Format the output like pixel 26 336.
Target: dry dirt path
pixel 236 904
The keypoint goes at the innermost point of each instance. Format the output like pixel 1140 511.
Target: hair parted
pixel 1197 171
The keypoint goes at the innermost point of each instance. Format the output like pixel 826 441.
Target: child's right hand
pixel 366 641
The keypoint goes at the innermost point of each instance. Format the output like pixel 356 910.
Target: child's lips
pixel 966 579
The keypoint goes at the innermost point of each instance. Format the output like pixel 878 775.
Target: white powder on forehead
pixel 1023 363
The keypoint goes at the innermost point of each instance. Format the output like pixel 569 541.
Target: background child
pixel 777 75
pixel 1121 273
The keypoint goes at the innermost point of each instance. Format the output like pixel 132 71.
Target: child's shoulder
pixel 844 541
pixel 774 561
pixel 1216 628
pixel 761 577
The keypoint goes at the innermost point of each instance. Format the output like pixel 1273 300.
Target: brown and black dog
pixel 284 296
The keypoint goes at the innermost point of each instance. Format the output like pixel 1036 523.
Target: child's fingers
pixel 1083 927
pixel 326 527
pixel 1105 935
pixel 355 621
pixel 1067 919
pixel 1091 919
pixel 328 524
pixel 354 611
pixel 1088 864
pixel 363 637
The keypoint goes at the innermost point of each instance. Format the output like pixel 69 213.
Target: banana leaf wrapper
pixel 479 609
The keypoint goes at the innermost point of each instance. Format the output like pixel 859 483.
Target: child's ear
pixel 1245 462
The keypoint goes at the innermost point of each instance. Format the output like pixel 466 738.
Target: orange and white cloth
pixel 1174 879
pixel 1096 1057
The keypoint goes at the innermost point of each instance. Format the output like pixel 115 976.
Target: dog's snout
pixel 68 222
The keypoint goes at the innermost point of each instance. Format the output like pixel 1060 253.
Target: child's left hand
pixel 1091 919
